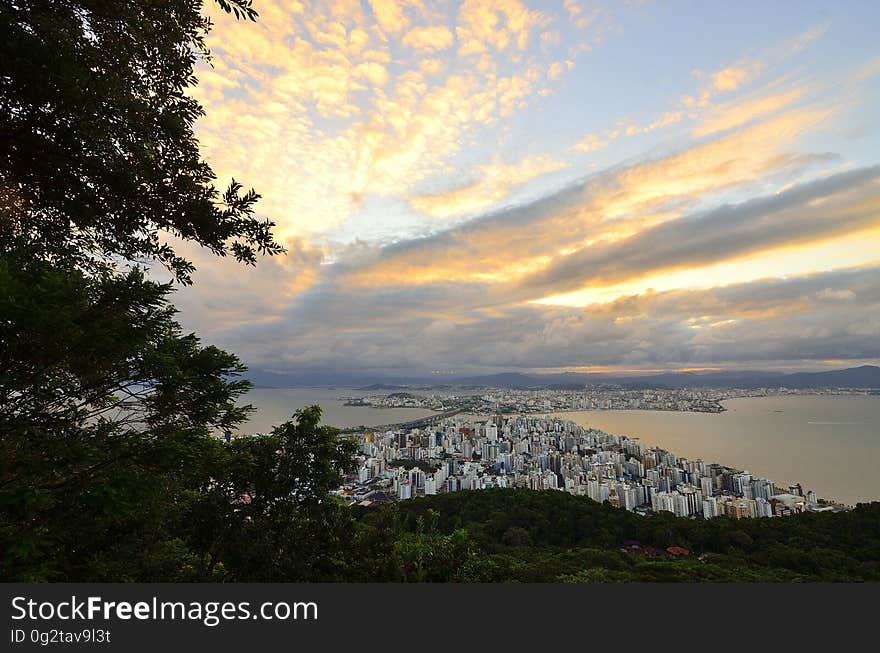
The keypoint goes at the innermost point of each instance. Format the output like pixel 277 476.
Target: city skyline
pixel 486 186
pixel 550 453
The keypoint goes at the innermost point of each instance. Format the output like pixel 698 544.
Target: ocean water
pixel 276 405
pixel 828 443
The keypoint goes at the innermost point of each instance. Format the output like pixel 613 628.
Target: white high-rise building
pixel 492 433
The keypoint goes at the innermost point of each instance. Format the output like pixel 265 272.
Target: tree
pixel 98 157
pixel 267 513
pixel 108 465
pixel 515 536
pixel 106 414
pixel 80 351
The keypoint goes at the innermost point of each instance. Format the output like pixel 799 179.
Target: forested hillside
pixel 528 536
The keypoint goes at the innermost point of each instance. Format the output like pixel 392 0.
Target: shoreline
pixel 659 437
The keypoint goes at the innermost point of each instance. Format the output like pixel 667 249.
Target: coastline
pixel 833 455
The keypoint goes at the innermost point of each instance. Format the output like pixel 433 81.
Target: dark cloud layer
pixel 817 210
pixel 307 315
pixel 834 315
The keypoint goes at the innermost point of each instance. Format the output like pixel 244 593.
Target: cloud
pixel 578 15
pixel 405 189
pixel 844 203
pixel 485 25
pixel 721 117
pixel 314 105
pixel 668 118
pixel 591 143
pixel 726 80
pixel 432 39
pixel 329 323
pixel 376 73
pixel 801 41
pixel 604 207
pixel 730 79
pixel 556 69
pixel 389 14
pixel 866 71
pixel 227 293
pixel 495 181
pixel 738 113
pixel 766 321
pixel 431 66
pixel 712 116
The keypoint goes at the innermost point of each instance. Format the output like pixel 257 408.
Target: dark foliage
pixel 108 465
pixel 98 160
pixel 109 470
pixel 528 536
pixel 267 514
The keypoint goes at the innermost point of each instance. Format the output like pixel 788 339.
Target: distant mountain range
pixel 866 376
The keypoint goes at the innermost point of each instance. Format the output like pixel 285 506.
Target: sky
pixel 497 185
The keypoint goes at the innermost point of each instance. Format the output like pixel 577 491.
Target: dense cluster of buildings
pixel 604 398
pixel 472 453
pixel 598 397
